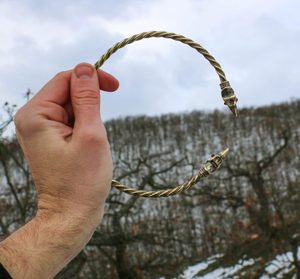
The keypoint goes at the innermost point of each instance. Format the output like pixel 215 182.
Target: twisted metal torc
pixel 166 35
pixel 209 167
pixel 228 96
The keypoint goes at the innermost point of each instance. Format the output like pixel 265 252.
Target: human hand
pixel 65 143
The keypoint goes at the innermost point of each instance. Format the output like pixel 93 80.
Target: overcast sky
pixel 256 42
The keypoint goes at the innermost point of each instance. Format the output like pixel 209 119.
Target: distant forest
pixel 248 209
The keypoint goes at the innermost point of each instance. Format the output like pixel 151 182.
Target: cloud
pixel 255 41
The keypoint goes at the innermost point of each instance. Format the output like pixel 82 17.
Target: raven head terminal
pixel 229 97
pixel 215 161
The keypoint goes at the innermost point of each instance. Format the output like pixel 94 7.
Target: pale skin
pixel 65 143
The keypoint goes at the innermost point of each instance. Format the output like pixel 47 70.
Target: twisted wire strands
pixel 211 165
pixel 215 161
pixel 167 35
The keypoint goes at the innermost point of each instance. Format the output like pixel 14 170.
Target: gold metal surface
pixel 229 98
pixel 211 165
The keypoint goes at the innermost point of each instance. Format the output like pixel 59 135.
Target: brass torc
pixel 229 98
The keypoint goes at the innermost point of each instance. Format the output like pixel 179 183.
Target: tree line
pixel 248 209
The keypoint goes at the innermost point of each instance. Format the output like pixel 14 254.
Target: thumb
pixel 85 97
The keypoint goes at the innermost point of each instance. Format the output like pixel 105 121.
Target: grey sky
pixel 256 42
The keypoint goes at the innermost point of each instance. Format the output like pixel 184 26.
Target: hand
pixel 64 140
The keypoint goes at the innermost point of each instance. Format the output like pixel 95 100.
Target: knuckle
pixel 19 120
pixel 91 137
pixel 54 112
pixel 86 96
pixel 60 74
pixel 25 122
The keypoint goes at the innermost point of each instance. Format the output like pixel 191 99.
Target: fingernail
pixel 84 71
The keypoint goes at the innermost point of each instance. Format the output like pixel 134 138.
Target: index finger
pixel 57 90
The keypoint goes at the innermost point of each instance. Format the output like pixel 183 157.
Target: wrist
pixel 78 209
pixel 42 247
